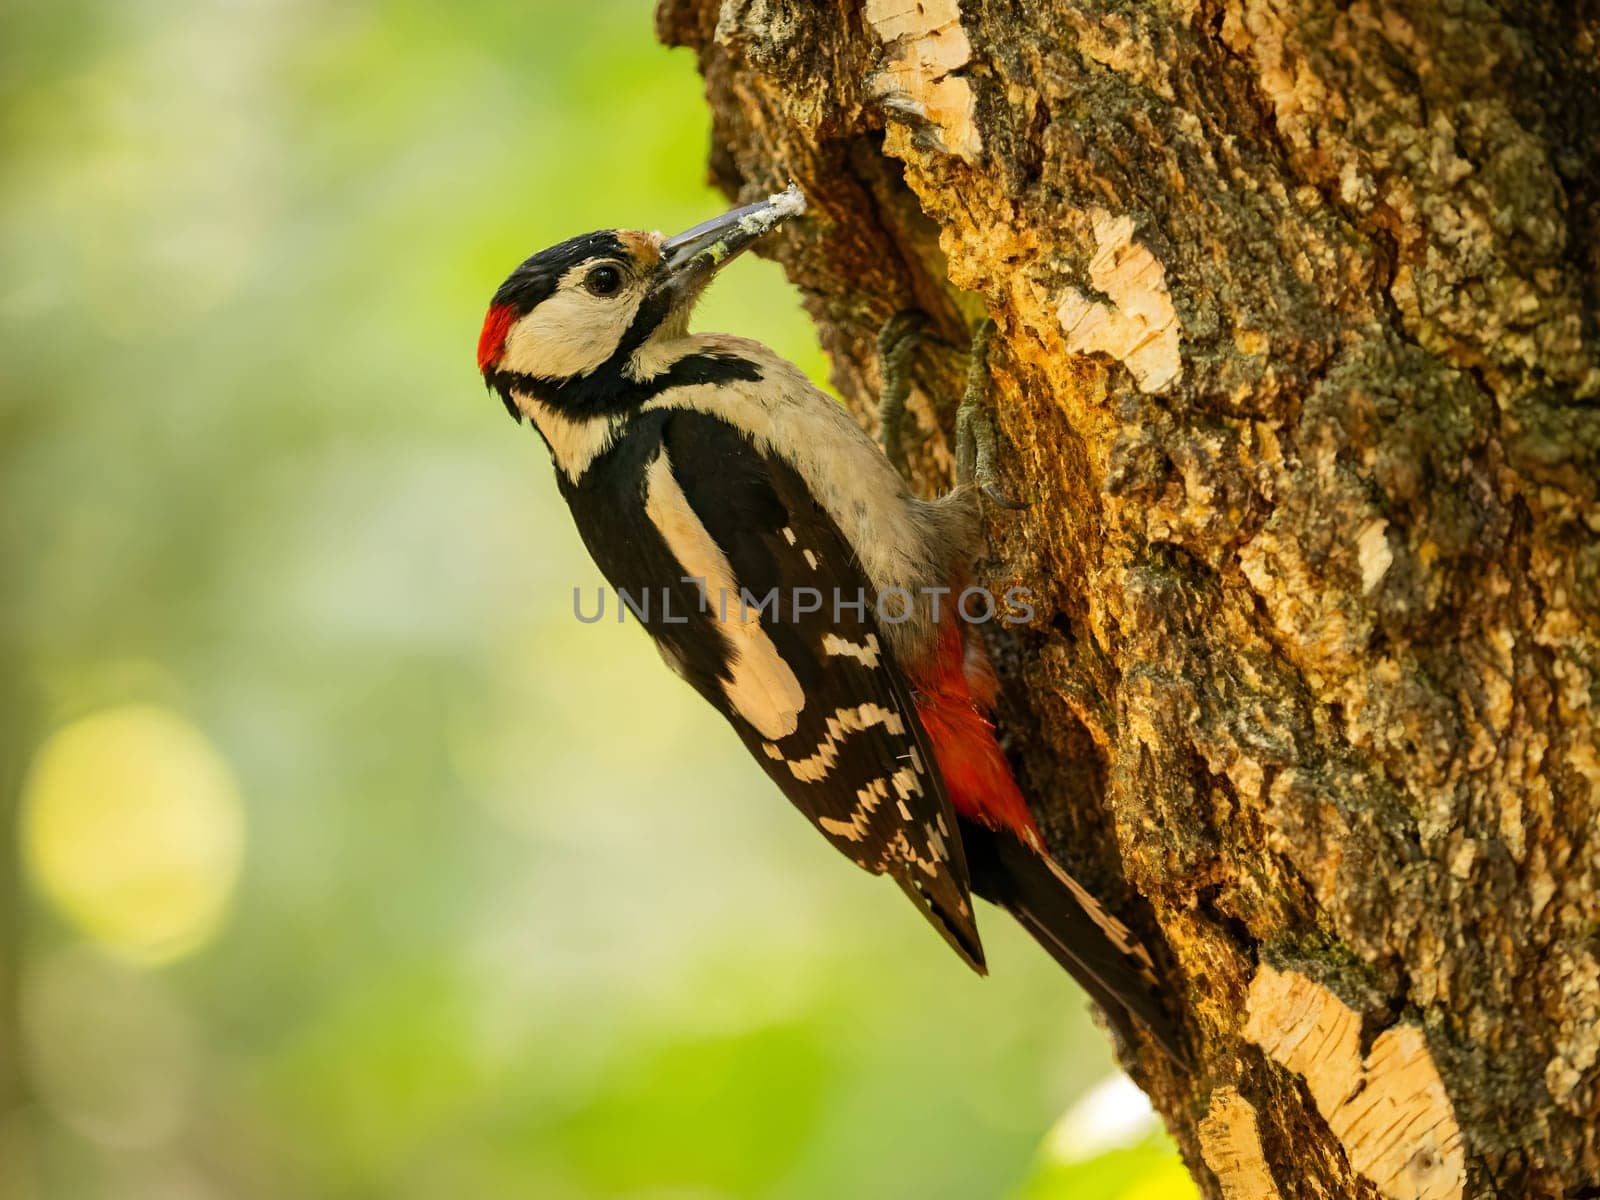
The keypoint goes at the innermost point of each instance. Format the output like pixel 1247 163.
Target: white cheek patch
pixel 570 334
pixel 761 686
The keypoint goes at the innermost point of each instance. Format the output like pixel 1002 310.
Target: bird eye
pixel 603 281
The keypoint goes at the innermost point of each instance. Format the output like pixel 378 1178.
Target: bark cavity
pixel 925 45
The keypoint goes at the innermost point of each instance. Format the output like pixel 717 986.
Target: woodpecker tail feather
pixel 948 911
pixel 1095 948
pixel 1005 852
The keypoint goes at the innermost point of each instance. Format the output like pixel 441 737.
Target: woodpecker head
pixel 574 324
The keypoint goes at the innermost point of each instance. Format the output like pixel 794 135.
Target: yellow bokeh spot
pixel 1167 1180
pixel 133 828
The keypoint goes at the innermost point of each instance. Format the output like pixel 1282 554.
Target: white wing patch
pixel 761 686
pixel 785 415
pixel 844 722
pixel 866 653
pixel 906 853
pixel 867 801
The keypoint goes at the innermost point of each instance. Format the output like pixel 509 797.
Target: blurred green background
pixel 341 861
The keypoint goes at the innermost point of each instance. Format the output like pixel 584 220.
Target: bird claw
pixel 975 440
pixel 896 340
pixel 1000 498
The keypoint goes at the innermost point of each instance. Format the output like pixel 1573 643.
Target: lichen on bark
pixel 1299 370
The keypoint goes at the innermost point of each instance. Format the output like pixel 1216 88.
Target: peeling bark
pixel 1230 1139
pixel 1299 368
pixel 1388 1110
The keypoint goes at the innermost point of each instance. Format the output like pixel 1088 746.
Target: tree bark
pixel 1297 369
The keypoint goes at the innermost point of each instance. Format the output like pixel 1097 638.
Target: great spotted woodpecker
pixel 705 470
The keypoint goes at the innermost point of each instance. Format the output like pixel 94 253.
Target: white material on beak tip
pixel 780 206
pixel 790 202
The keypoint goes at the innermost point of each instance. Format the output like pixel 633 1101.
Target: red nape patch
pixel 974 767
pixel 492 341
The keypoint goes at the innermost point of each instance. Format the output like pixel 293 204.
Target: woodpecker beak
pixel 690 259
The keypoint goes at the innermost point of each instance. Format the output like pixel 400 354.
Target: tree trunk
pixel 1297 368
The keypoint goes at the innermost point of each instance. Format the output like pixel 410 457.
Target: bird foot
pixel 975 441
pixel 897 340
pixel 975 438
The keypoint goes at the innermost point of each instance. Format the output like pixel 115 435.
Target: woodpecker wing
pixel 810 684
